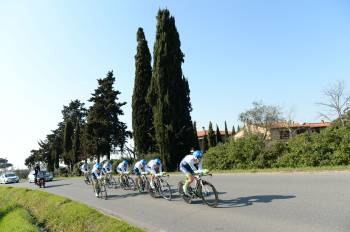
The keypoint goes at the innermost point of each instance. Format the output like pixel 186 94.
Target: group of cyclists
pixel 190 165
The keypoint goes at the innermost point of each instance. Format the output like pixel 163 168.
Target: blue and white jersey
pixel 122 167
pixel 153 167
pixel 140 166
pixel 107 167
pixel 96 172
pixel 191 161
pixel 84 168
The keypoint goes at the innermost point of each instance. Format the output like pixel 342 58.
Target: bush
pixel 22 173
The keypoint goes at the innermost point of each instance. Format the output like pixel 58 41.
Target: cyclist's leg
pixel 94 184
pixel 187 170
pixel 138 179
pixel 151 183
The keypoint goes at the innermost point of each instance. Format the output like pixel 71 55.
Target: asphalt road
pixel 248 202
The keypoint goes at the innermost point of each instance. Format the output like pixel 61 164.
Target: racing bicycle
pixel 203 189
pixel 161 187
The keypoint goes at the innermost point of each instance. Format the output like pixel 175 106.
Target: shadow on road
pixel 55 185
pixel 247 201
pixel 121 196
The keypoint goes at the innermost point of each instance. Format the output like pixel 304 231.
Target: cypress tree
pixel 76 143
pixel 218 135
pixel 104 131
pixel 196 142
pixel 226 132
pixel 169 94
pixel 211 136
pixel 238 128
pixel 67 144
pixel 142 125
pixel 205 144
pixel 233 132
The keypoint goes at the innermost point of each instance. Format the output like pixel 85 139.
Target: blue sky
pixel 236 52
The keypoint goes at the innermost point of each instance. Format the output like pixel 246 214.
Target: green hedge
pixel 331 147
pixel 61 214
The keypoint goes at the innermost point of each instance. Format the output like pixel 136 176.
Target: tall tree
pixel 261 116
pixel 204 143
pixel 75 113
pixel 68 156
pixel 169 94
pixel 77 152
pixel 142 125
pixel 226 132
pixel 211 136
pixel 104 131
pixel 337 102
pixel 233 132
pixel 218 135
pixel 196 142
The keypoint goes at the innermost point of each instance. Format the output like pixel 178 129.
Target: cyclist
pixel 84 168
pixel 188 166
pixel 154 167
pixel 36 172
pixel 123 169
pixel 96 173
pixel 107 167
pixel 140 166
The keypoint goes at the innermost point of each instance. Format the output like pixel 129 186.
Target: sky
pixel 236 51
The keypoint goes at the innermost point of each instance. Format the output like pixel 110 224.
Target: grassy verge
pixel 58 213
pixel 13 217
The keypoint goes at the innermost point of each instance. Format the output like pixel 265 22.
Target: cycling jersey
pixel 84 168
pixel 153 167
pixel 95 172
pixel 122 167
pixel 107 168
pixel 139 167
pixel 187 164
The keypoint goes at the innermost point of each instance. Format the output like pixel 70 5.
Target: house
pixel 284 130
pixel 203 133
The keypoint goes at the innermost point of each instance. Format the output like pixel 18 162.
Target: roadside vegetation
pixel 330 147
pixel 29 210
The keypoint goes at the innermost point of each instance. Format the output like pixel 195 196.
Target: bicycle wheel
pixel 164 189
pixel 113 182
pixel 145 183
pixel 186 198
pixel 130 184
pixel 153 191
pixel 103 192
pixel 209 194
pixel 87 180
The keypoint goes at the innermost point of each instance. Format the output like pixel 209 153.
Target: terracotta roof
pixel 286 125
pixel 281 125
pixel 202 133
pixel 317 124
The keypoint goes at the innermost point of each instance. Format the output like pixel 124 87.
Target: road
pixel 248 202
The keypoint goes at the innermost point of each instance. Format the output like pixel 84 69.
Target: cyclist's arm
pixel 200 166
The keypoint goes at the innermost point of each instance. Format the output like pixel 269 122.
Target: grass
pixel 15 218
pixel 58 213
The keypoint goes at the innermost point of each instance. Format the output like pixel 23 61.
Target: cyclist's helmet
pixel 125 161
pixel 98 166
pixel 158 161
pixel 197 154
pixel 143 162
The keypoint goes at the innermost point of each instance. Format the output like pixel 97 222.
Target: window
pixel 284 134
